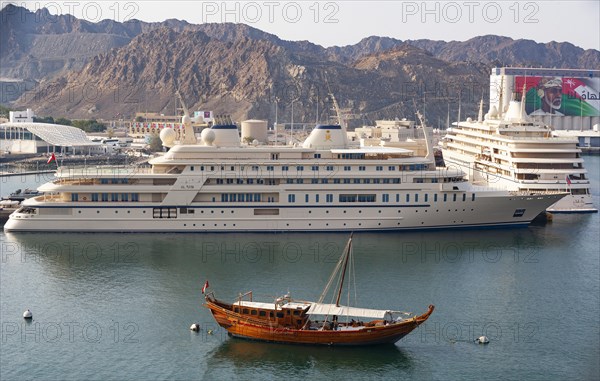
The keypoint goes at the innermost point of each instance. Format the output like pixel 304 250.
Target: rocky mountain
pixel 71 67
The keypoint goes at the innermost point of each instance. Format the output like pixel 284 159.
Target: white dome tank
pixel 327 137
pixel 254 130
pixel 226 135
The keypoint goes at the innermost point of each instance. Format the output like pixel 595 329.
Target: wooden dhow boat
pixel 302 322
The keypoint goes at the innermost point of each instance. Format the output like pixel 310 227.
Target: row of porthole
pixel 310 211
pixel 204 225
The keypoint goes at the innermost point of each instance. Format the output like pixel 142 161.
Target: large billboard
pixel 560 96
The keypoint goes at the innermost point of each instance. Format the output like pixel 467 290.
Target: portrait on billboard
pixel 560 96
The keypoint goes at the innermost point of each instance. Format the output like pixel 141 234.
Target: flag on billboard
pixel 51 159
pixel 205 287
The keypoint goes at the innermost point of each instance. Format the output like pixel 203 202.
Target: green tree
pixel 155 144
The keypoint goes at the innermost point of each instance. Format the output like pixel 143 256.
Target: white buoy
pixel 210 332
pixel 482 340
pixel 27 314
pixel 195 327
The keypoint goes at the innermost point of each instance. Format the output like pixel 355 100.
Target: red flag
pixel 568 180
pixel 205 286
pixel 51 159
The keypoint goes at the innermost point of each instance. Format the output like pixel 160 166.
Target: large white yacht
pixel 510 150
pixel 219 184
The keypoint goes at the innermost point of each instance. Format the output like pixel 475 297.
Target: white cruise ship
pixel 512 151
pixel 218 184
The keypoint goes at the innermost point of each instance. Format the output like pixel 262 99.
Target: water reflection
pixel 276 360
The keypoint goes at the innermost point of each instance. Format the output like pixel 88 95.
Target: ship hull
pixel 460 212
pixel 246 328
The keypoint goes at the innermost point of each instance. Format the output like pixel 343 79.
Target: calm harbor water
pixel 118 306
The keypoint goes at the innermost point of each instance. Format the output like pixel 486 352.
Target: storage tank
pixel 254 130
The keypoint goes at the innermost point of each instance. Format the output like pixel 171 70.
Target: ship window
pixel 519 213
pixel 347 168
pixel 386 198
pixel 336 181
pixel 356 181
pixel 435 197
pixel 315 167
pixel 397 197
pixel 392 168
pixel 288 312
pixel 284 168
pixel 473 197
pixel 164 212
pixel 291 198
pixel 104 197
pixel 202 168
pixel 271 314
pixel 426 197
pixel 396 181
pixel 329 198
pixel 317 198
pixel 235 309
pixel 300 168
pixel 330 167
pixel 94 196
pixel 269 167
pixel 445 197
pixel 245 311
pixel 280 315
pixel 416 197
pixel 114 197
pixel 454 197
pixel 300 181
pixel 346 181
pixel 253 312
pixel 262 313
pixel 305 198
pixel 324 181
pixel 314 181
pixel 407 197
pixel 379 168
pixel 464 197
pixel 135 197
pixel 296 313
pixel 103 181
pixel 191 168
pixel 74 197
pixel 124 196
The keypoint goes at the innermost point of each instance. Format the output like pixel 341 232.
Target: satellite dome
pixel 168 136
pixel 186 120
pixel 208 136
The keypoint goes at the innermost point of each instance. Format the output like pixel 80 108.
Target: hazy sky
pixel 346 22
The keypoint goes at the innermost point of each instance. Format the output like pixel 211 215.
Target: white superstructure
pixel 220 184
pixel 514 152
